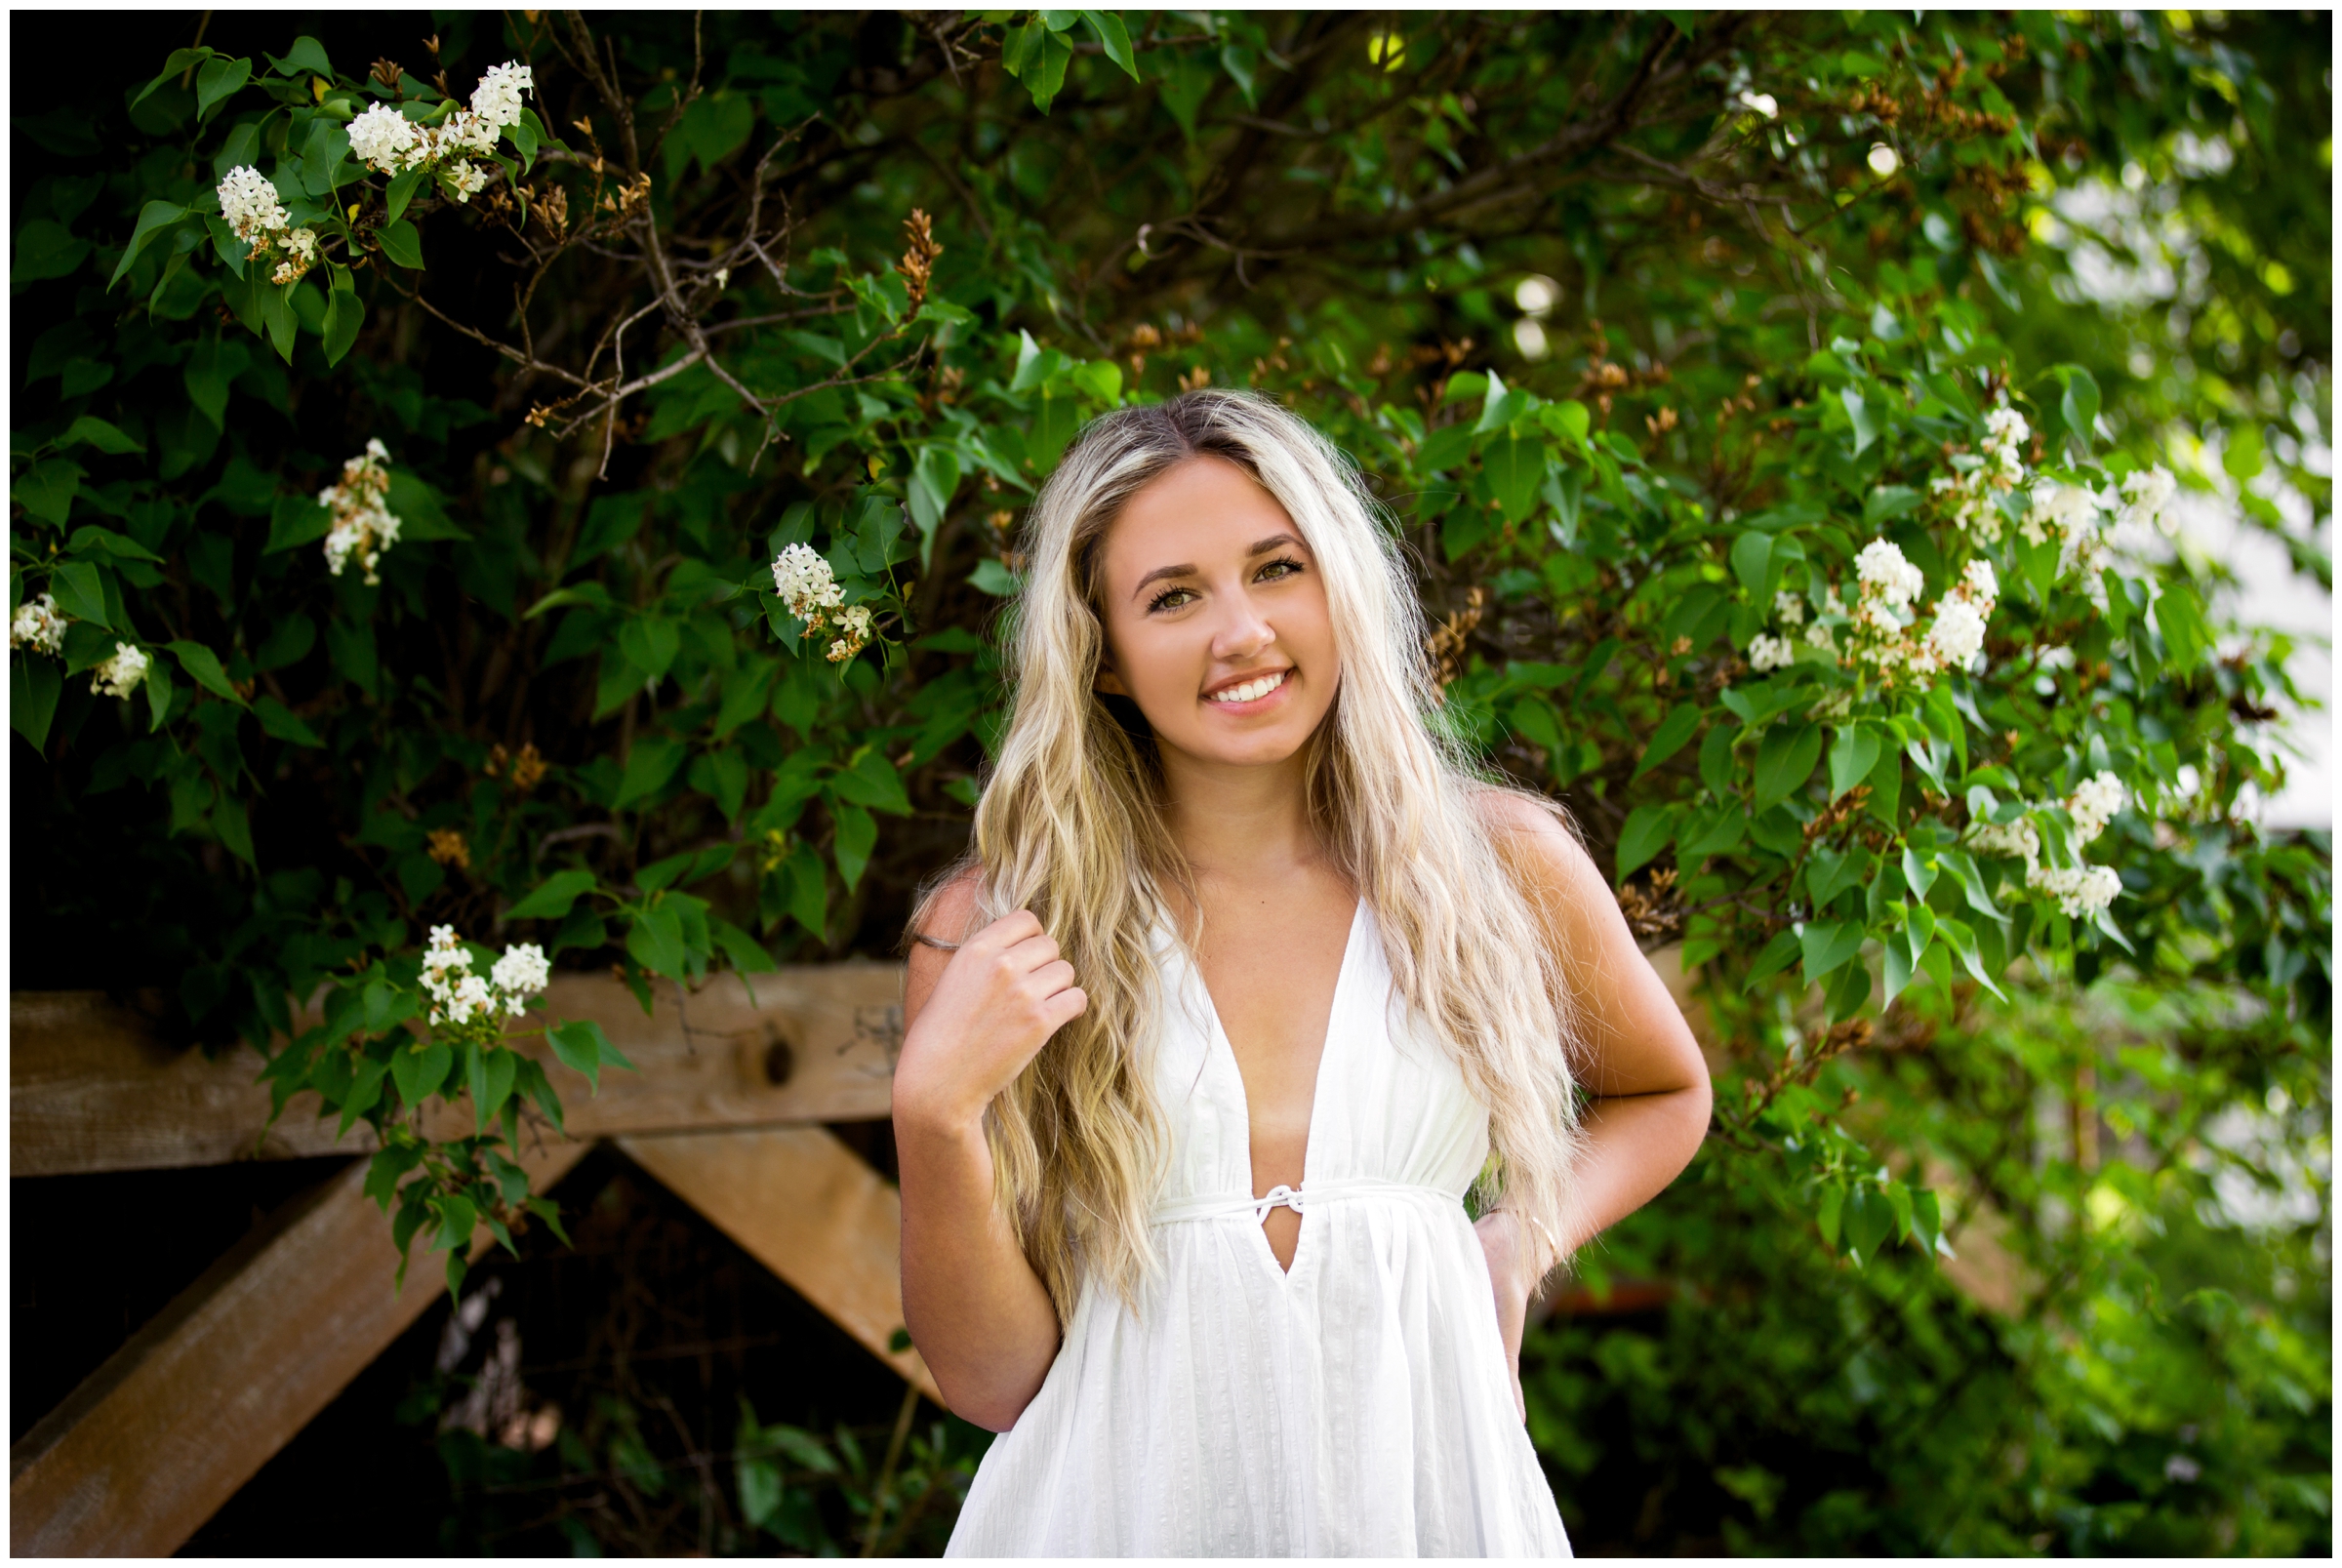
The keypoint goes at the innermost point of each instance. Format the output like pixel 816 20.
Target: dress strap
pixel 1300 1199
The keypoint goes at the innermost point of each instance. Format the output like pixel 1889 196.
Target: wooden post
pixel 808 1208
pixel 157 1439
pixel 91 1088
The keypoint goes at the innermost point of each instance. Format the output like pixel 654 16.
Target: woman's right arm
pixel 972 1019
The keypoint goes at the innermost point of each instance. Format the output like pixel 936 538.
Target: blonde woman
pixel 1250 978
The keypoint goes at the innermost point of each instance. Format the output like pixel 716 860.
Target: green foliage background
pixel 1787 262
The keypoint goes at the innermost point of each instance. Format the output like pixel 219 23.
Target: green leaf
pixel 1785 761
pixel 1114 39
pixel 401 191
pixel 179 60
pixel 344 314
pixel 655 941
pixel 1751 563
pixel 419 1074
pixel 1516 467
pixel 553 897
pixel 1647 830
pixel 1828 944
pixel 34 684
pixel 2179 617
pixel 277 316
pixel 46 490
pixel 217 81
pixel 993 577
pixel 1853 756
pixel 582 1047
pixel 2079 406
pixel 1041 61
pixel 89 428
pixel 651 763
pixel 747 953
pixel 233 824
pixel 650 644
pixel 1971 883
pixel 1962 943
pixel 282 722
pixel 153 219
pixel 203 665
pixel 497 1074
pixel 1773 958
pixel 402 242
pixel 1868 1221
pixel 80 593
pixel 857 836
pixel 1858 413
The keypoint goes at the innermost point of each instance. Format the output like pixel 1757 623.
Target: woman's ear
pixel 1108 681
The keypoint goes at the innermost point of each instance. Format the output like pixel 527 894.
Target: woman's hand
pixel 998 1001
pixel 1509 1265
pixel 980 1315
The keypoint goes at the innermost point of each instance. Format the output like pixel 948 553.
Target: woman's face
pixel 1215 619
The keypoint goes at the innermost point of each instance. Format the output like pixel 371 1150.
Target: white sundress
pixel 1359 1405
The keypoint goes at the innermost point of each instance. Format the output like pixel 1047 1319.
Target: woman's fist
pixel 996 1004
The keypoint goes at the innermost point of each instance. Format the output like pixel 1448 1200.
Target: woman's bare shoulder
pixel 1535 837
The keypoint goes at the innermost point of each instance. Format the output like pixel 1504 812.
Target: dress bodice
pixel 1357 1404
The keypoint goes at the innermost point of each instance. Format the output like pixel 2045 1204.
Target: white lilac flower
pixel 250 204
pixel 466 180
pixel 467 132
pixel 805 583
pixel 2146 492
pixel 1977 575
pixel 520 974
pixel 2059 511
pixel 840 651
pixel 363 524
pixel 1821 636
pixel 1788 608
pixel 120 675
pixel 2004 436
pixel 2093 804
pixel 37 625
pixel 2019 837
pixel 1958 635
pixel 1767 653
pixel 497 99
pixel 2080 891
pixel 1764 103
pixel 855 621
pixel 381 136
pixel 1886 576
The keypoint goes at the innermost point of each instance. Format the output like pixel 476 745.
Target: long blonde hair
pixel 1070 826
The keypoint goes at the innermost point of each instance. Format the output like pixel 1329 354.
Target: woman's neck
pixel 1240 822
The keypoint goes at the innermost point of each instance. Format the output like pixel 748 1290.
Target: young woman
pixel 1250 978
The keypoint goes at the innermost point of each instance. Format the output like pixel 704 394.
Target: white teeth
pixel 1252 690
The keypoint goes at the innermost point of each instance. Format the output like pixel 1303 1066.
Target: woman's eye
pixel 1276 570
pixel 1169 599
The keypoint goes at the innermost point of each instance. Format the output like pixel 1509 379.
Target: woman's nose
pixel 1245 633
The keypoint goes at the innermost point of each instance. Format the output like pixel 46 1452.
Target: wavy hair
pixel 1070 826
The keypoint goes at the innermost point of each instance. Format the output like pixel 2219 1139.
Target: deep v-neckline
pixel 1225 1050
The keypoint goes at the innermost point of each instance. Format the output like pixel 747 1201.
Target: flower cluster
pixel 463 999
pixel 1768 653
pixel 2146 494
pixel 810 590
pixel 2080 890
pixel 2069 514
pixel 389 143
pixel 249 205
pixel 38 625
pixel 119 675
pixel 364 526
pixel 1978 478
pixel 1957 637
pixel 1883 617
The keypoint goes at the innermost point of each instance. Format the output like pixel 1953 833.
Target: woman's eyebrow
pixel 1188 569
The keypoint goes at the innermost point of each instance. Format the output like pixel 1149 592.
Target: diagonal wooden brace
pixel 157 1439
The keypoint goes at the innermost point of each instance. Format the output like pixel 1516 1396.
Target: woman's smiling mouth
pixel 1250 691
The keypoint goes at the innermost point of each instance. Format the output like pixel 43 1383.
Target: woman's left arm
pixel 1649 1084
